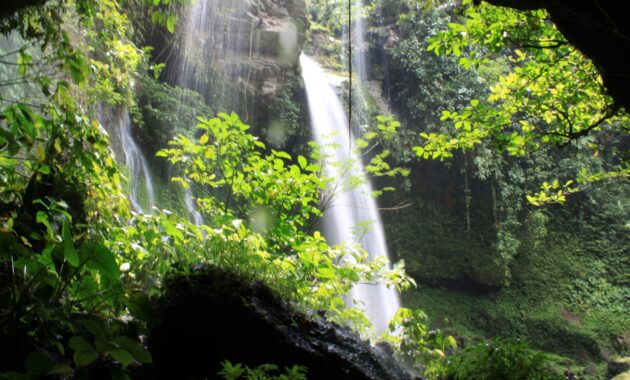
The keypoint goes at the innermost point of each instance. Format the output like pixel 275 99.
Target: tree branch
pixel 542 44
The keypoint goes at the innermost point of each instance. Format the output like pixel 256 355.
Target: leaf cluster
pixel 418 346
pixel 550 95
pixel 262 372
pixel 500 359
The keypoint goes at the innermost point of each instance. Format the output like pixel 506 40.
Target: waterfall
pixel 210 59
pixel 360 64
pixel 356 38
pixel 212 35
pixel 118 124
pixel 344 216
pixel 192 208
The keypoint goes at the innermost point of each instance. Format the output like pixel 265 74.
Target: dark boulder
pixel 210 316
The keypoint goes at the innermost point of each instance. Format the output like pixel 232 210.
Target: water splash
pixel 350 209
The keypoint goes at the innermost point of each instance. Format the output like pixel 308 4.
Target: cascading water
pixel 118 123
pixel 344 216
pixel 359 67
pixel 136 164
pixel 210 58
pixel 213 33
pixel 192 208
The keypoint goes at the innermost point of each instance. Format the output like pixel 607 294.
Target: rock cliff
pixel 238 54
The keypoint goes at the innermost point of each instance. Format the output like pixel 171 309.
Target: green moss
pixel 165 111
pixel 170 196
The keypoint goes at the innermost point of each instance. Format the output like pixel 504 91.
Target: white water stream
pixel 350 208
pixel 118 122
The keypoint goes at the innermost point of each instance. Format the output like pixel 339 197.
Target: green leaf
pixel 84 358
pixel 156 17
pixel 95 328
pixel 77 67
pixel 38 364
pixel 100 258
pixel 139 306
pixel 450 341
pixel 44 169
pixel 84 352
pixel 281 154
pixel 118 373
pixel 302 162
pixel 60 369
pixel 122 356
pixel 24 60
pixel 12 376
pixel 136 349
pixel 78 343
pixel 70 254
pixel 171 21
pixel 172 230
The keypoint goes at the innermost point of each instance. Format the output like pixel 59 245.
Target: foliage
pixel 500 359
pixel 374 143
pixel 551 96
pixel 261 190
pixel 58 299
pixel 465 226
pixel 416 345
pixel 262 372
pixel 61 192
pixel 164 111
pixel 332 14
pixel 75 260
pixel 562 270
pixel 420 83
pixel 285 118
pixel 321 42
pixel 72 261
pixel 265 206
pixel 114 60
pixel 164 12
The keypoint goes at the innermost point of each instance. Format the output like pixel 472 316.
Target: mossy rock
pixel 619 366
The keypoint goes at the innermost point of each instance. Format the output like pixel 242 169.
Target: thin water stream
pixel 136 164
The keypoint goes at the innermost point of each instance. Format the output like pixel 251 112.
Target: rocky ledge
pixel 210 316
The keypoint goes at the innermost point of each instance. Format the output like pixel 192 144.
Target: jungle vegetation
pixel 496 96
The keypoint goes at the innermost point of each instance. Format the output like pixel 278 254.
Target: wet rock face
pixel 230 50
pixel 240 55
pixel 211 316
